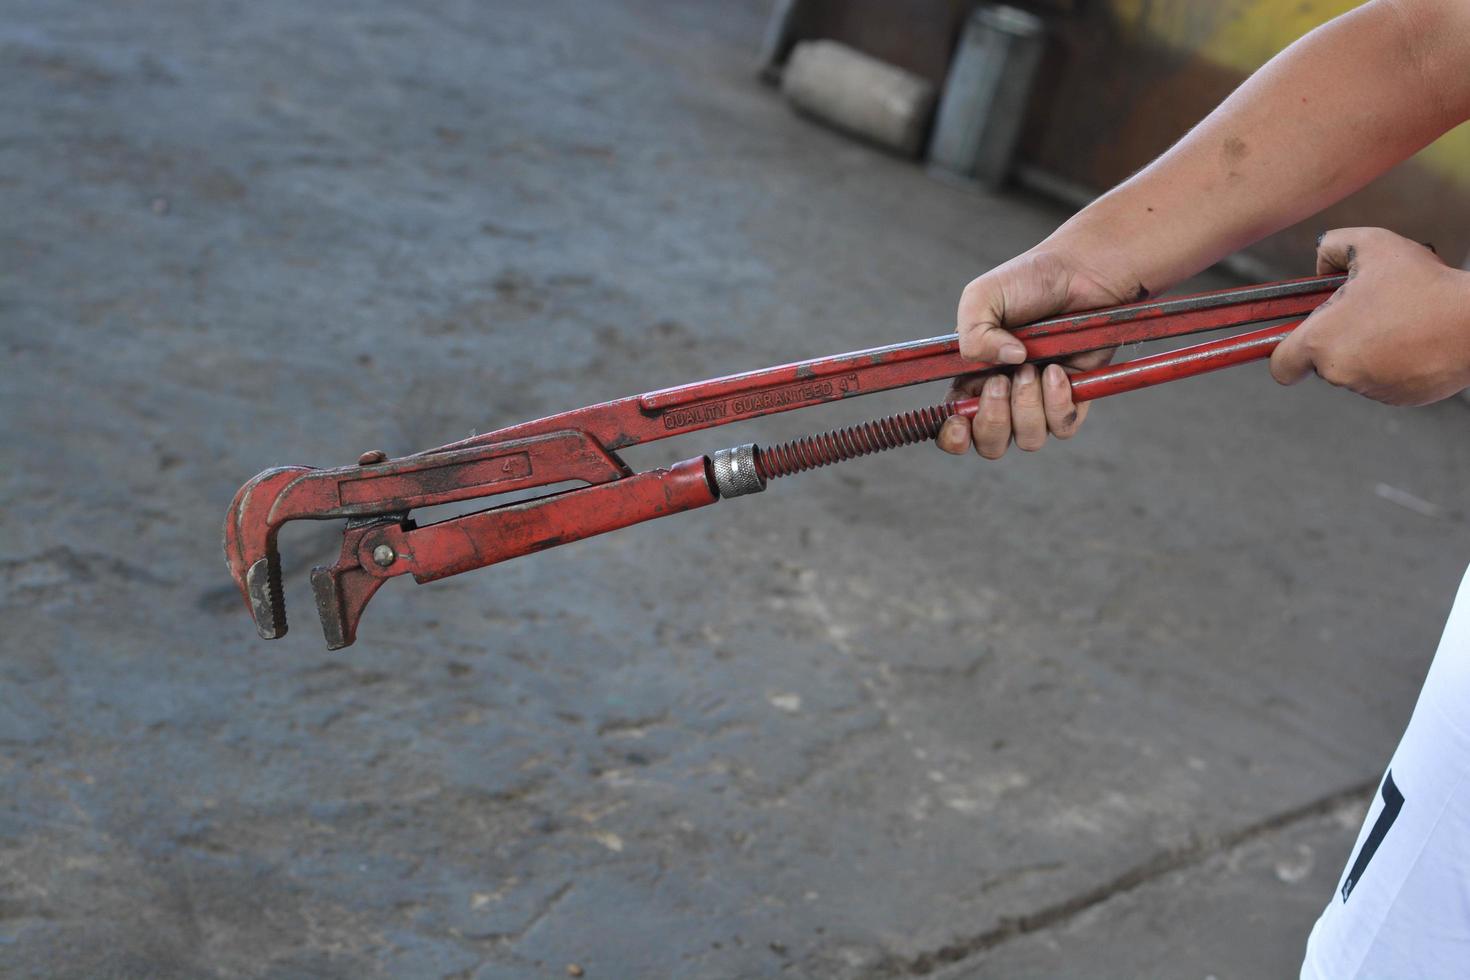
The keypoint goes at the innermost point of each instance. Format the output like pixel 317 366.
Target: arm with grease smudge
pixel 1339 107
pixel 1336 109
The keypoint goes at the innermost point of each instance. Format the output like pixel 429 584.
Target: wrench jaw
pixel 264 597
pixel 377 492
pixel 341 596
pixel 251 527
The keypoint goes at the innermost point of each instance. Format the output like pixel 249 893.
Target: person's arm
pixel 1336 109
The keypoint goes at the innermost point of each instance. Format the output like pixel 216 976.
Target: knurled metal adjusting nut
pixel 735 471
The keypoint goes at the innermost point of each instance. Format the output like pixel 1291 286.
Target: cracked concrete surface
pixel 1099 711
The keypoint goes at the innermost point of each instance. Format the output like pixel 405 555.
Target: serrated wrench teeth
pixel 263 585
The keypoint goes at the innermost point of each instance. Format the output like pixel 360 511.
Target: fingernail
pixel 999 386
pixel 1012 353
pixel 956 431
pixel 1055 377
pixel 1025 375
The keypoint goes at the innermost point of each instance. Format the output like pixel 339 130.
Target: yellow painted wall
pixel 1245 34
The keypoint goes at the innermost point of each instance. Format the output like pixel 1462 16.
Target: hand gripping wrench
pixel 376 496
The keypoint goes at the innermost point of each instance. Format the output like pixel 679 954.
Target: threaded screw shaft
pixel 840 445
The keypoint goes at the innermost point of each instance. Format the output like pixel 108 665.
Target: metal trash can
pixel 985 95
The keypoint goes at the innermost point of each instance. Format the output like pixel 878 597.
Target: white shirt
pixel 1402 906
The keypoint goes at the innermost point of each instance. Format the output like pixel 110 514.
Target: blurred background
pixel 1111 710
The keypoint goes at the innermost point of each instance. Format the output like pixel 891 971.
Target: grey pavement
pixel 1108 710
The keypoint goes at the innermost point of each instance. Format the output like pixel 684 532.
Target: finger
pixel 1028 418
pixel 968 385
pixel 991 430
pixel 1090 361
pixel 1063 415
pixel 1294 357
pixel 1337 250
pixel 954 435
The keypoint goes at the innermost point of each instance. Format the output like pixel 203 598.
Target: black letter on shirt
pixel 1393 802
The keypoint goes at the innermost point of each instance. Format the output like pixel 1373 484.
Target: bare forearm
pixel 1327 115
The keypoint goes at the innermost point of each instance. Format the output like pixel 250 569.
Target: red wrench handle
pixel 1175 365
pixel 738 397
pixel 1145 372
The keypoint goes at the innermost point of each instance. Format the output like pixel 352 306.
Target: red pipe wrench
pixel 381 541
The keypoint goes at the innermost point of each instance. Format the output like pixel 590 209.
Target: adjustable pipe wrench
pixel 376 496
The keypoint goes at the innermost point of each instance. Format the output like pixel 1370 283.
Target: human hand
pixel 1027 405
pixel 1398 331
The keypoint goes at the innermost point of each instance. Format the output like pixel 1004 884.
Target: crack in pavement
pixel 1176 859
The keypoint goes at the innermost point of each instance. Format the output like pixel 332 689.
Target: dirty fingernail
pixel 1055 376
pixel 1026 375
pixel 956 431
pixel 998 386
pixel 1012 353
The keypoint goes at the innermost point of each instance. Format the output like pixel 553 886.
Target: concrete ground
pixel 1111 710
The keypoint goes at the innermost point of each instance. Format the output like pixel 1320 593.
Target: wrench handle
pixel 1187 362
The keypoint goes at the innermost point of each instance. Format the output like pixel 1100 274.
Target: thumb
pixel 984 340
pixel 1294 359
pixel 1016 293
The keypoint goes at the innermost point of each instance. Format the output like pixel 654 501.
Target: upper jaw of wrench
pixel 250 545
pixel 384 492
